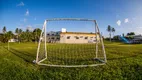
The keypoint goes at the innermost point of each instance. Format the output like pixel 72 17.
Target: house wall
pixel 78 38
pixel 13 40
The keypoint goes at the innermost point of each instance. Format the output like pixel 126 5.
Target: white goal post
pixel 71 55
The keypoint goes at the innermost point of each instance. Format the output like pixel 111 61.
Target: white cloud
pixel 118 23
pixel 21 4
pixel 126 20
pixel 137 30
pixel 27 13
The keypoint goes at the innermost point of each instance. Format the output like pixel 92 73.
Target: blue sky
pixel 124 15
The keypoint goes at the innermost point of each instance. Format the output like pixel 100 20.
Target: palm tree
pixel 28 35
pixel 27 30
pixel 23 36
pixel 20 31
pixel 17 30
pixel 4 29
pixel 109 29
pixel 19 34
pixel 36 34
pixel 123 35
pixel 113 30
pixel 9 35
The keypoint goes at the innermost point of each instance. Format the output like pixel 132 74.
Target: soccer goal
pixel 73 46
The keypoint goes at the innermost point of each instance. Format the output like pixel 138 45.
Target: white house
pixel 72 37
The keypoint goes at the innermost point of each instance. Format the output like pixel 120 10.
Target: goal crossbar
pixel 69 19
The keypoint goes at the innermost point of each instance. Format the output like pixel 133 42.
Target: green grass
pixel 124 62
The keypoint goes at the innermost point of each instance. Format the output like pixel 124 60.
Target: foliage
pixel 22 36
pixel 116 38
pixel 123 35
pixel 17 30
pixel 26 37
pixel 7 36
pixel 131 33
pixel 20 31
pixel 110 30
pixel 36 34
pixel 113 30
pixel 4 29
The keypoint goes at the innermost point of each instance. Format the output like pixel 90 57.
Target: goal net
pixel 70 43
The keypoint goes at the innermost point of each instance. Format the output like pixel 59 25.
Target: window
pixel 52 37
pixel 81 36
pixel 52 34
pixel 77 37
pixel 94 40
pixel 57 33
pixel 68 37
pixel 48 34
pixel 57 38
pixel 86 38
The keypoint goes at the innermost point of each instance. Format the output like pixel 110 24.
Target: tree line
pixel 20 35
pixel 111 30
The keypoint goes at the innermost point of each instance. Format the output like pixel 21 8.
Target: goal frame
pixel 39 62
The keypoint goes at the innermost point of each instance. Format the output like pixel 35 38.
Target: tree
pixel 19 35
pixel 20 31
pixel 23 37
pixel 116 38
pixel 27 30
pixel 9 35
pixel 123 35
pixel 17 30
pixel 4 29
pixel 109 29
pixel 113 30
pixel 36 34
pixel 131 33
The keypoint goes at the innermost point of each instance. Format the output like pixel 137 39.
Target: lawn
pixel 124 62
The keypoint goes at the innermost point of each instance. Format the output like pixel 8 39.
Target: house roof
pixel 78 33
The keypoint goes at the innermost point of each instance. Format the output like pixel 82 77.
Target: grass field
pixel 124 62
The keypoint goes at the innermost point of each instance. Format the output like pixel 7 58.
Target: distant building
pixel 71 37
pixel 137 39
pixel 53 37
pixel 13 40
pixel 78 37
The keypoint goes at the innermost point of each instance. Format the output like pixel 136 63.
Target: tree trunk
pixel 113 36
pixel 110 37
